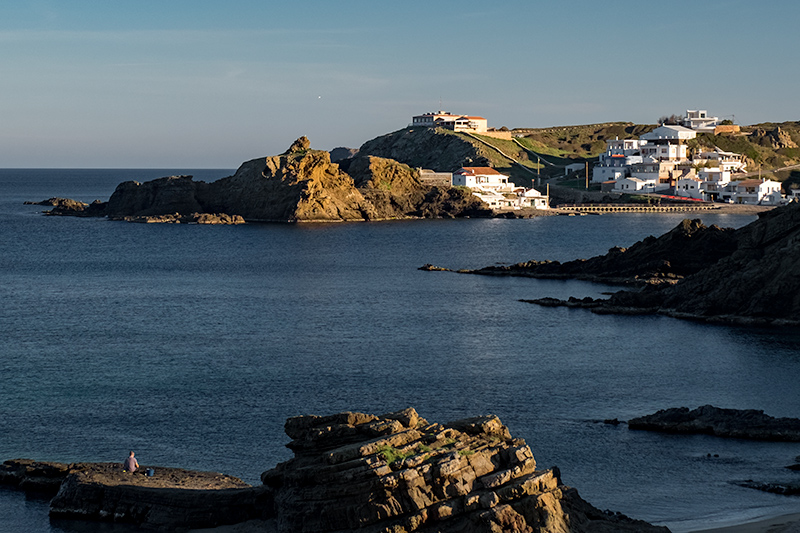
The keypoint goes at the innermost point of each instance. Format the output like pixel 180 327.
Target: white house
pixel 754 192
pixel 729 161
pixel 630 185
pixel 482 178
pixel 445 119
pixel 496 191
pixel 614 163
pixel 667 143
pixel 698 120
pixel 689 188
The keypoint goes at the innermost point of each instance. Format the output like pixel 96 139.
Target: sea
pixel 193 344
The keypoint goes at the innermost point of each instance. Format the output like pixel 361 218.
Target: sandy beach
pixel 789 523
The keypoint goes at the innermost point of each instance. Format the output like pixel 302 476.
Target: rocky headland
pixel 300 185
pixel 744 276
pixel 394 473
pixel 685 250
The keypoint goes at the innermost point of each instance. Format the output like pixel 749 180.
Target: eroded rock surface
pixel 710 420
pixel 394 473
pixel 398 473
pixel 299 185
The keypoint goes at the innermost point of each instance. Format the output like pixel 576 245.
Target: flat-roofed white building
pixel 445 119
pixel 699 120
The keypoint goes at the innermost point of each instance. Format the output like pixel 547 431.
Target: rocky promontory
pixel 685 250
pixel 745 276
pixel 710 420
pixel 393 473
pixel 300 185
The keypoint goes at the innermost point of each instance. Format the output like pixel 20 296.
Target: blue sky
pixel 202 84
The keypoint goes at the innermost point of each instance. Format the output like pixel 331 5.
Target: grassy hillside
pixel 768 146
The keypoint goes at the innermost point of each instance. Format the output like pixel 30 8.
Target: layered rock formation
pixel 394 473
pixel 398 473
pixel 299 185
pixel 172 498
pixel 710 420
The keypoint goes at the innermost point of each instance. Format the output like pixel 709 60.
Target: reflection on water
pixel 193 344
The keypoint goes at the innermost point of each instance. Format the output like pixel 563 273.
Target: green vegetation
pixel 391 454
pixel 466 453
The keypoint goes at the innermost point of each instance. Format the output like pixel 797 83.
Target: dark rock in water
pixel 685 250
pixel 33 476
pixel 172 498
pixel 787 489
pixel 69 207
pixel 795 467
pixel 749 277
pixel 433 268
pixel 400 473
pixel 710 420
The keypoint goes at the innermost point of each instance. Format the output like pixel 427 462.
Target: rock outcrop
pixel 172 498
pixel 746 276
pixel 432 148
pixel 685 250
pixel 394 473
pixel 398 473
pixel 710 420
pixel 299 185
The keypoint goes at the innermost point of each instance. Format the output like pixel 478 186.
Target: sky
pixel 211 84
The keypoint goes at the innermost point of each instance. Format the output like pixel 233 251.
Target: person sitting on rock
pixel 130 464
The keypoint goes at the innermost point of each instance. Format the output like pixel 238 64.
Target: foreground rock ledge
pixel 394 473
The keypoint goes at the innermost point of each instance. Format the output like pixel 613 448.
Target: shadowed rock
pixel 710 420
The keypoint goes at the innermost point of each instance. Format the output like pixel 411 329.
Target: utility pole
pixel 587 173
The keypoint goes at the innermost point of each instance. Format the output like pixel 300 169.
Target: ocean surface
pixel 192 344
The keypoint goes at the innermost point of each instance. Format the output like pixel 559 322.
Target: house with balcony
pixel 699 120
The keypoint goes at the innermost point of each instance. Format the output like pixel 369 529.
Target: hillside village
pixel 659 162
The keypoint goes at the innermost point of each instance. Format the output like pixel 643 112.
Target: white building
pixel 698 120
pixel 753 192
pixel 729 161
pixel 445 119
pixel 496 191
pixel 631 185
pixel 482 178
pixel 667 143
pixel 614 163
pixel 689 188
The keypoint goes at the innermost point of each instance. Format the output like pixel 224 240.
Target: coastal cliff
pixel 351 471
pixel 300 185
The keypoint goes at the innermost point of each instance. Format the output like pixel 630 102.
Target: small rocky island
pixel 742 276
pixel 393 473
pixel 300 185
pixel 710 420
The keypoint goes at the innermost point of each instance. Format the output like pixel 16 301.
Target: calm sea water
pixel 193 344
